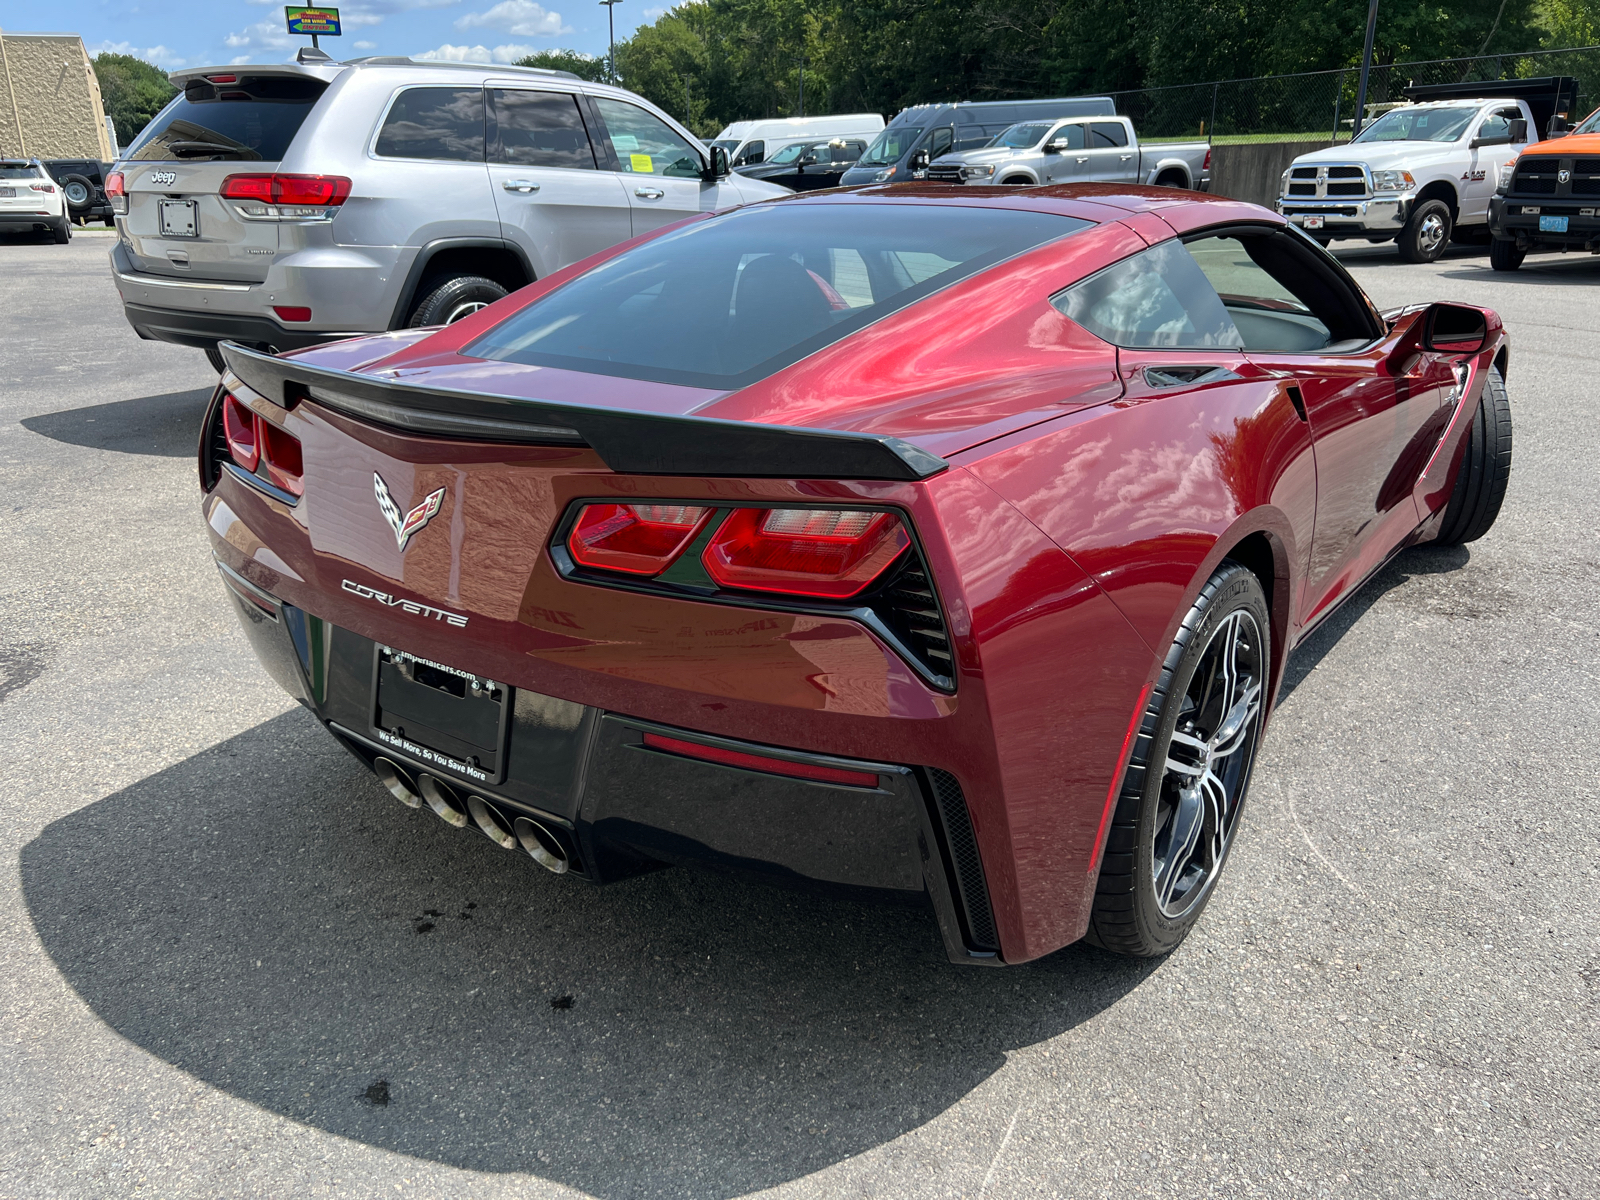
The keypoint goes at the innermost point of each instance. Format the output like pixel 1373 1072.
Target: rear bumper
pixel 205 329
pixel 621 808
pixel 28 220
pixel 1350 218
pixel 1518 220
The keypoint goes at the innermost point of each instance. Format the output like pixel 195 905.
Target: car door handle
pixel 1126 157
pixel 1084 159
pixel 524 186
pixel 647 193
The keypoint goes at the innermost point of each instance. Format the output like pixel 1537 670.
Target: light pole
pixel 802 60
pixel 610 20
pixel 1366 66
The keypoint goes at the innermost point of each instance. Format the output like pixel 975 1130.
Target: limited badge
pixel 406 525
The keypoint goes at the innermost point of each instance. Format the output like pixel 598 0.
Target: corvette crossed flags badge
pixel 412 522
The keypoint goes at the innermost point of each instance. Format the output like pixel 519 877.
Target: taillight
pixel 43 187
pixel 641 539
pixel 760 762
pixel 291 312
pixel 239 423
pixel 824 552
pixel 287 197
pixel 253 440
pixel 117 193
pixel 1206 166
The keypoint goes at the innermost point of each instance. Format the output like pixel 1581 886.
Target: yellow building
pixel 50 103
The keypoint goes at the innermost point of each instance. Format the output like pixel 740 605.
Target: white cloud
pixel 263 35
pixel 521 17
pixel 499 54
pixel 366 45
pixel 159 55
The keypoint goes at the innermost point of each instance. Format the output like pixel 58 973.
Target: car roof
pixel 1114 200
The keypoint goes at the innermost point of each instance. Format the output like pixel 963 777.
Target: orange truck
pixel 1549 198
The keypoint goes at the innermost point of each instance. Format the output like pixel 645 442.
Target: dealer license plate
pixel 1552 224
pixel 179 218
pixel 1314 221
pixel 438 714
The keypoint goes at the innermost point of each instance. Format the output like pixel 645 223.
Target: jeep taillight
pixel 641 539
pixel 117 193
pixel 823 552
pixel 278 197
pixel 254 441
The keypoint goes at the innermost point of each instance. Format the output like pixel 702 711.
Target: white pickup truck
pixel 1077 150
pixel 1419 174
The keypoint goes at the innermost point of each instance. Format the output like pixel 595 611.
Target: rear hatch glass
pixel 177 224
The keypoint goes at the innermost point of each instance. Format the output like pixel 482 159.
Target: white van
pixel 750 142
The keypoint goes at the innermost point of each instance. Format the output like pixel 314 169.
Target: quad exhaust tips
pixel 519 833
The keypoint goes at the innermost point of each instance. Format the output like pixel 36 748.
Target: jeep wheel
pixel 79 193
pixel 1504 254
pixel 455 297
pixel 1427 233
pixel 62 232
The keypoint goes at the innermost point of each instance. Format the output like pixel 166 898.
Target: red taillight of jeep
pixel 287 189
pixel 254 441
pixel 828 553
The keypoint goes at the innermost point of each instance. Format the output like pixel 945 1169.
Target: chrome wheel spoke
pixel 1217 805
pixel 1238 723
pixel 1188 820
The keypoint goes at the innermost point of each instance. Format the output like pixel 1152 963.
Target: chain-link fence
pixel 1320 106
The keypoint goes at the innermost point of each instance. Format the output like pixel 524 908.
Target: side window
pixel 1495 125
pixel 1073 135
pixel 1104 134
pixel 940 141
pixel 439 123
pixel 644 145
pixel 1268 314
pixel 538 129
pixel 753 153
pixel 1158 298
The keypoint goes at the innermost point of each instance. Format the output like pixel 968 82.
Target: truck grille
pixel 1337 181
pixel 944 174
pixel 1535 179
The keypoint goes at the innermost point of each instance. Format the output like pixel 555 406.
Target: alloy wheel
pixel 1208 764
pixel 465 309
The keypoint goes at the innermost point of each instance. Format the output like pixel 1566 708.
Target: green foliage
pixel 581 65
pixel 741 57
pixel 133 91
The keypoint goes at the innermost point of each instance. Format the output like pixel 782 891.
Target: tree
pixel 133 91
pixel 581 65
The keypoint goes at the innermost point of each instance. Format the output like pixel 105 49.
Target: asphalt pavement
pixel 231 965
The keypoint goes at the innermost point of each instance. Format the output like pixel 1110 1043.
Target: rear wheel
pixel 79 193
pixel 62 232
pixel 1504 254
pixel 1016 181
pixel 1189 771
pixel 1485 469
pixel 457 296
pixel 1427 233
pixel 1171 179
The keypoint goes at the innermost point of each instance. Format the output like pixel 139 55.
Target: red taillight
pixel 117 193
pixel 823 552
pixel 43 187
pixel 1206 166
pixel 223 78
pixel 760 762
pixel 642 539
pixel 306 190
pixel 239 423
pixel 287 312
pixel 285 463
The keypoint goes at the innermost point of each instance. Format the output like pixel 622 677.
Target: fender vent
pixel 964 860
pixel 908 605
pixel 213 443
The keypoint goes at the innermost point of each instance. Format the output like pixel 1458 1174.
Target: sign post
pixel 317 22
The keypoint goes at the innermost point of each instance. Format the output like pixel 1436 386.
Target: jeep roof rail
pixel 395 60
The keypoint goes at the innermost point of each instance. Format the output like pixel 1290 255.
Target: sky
pixel 190 33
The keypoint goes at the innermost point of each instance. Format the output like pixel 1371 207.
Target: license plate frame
pixel 453 721
pixel 179 218
pixel 1314 220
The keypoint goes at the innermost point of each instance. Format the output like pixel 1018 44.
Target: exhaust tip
pixel 442 799
pixel 542 845
pixel 495 824
pixel 393 777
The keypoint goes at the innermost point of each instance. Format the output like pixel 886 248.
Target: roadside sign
pixel 315 22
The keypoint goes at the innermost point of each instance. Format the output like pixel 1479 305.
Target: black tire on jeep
pixel 62 232
pixel 1427 233
pixel 79 193
pixel 449 299
pixel 1504 255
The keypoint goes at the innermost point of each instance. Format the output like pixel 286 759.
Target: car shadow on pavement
pixel 1400 570
pixel 264 917
pixel 1550 270
pixel 167 425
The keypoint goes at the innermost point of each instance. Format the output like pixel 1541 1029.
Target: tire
pixel 454 297
pixel 1171 179
pixel 62 232
pixel 1485 469
pixel 1142 906
pixel 79 193
pixel 1017 181
pixel 1427 233
pixel 1504 254
pixel 214 357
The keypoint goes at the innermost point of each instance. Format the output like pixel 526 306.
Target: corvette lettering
pixel 414 607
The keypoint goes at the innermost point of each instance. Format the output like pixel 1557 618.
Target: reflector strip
pixel 759 762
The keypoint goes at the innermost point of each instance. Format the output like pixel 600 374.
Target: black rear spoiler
pixel 630 443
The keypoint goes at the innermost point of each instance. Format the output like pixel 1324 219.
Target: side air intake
pixel 964 859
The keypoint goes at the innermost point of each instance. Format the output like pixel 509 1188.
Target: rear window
pixel 252 119
pixel 437 123
pixel 9 171
pixel 727 301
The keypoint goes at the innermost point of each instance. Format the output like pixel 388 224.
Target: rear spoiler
pixel 628 442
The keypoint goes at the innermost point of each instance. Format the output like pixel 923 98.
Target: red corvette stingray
pixel 931 541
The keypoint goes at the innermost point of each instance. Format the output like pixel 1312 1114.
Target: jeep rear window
pixel 250 120
pixel 724 302
pixel 25 172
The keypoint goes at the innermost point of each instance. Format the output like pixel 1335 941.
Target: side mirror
pixel 1454 329
pixel 1498 140
pixel 1519 129
pixel 919 160
pixel 1558 126
pixel 1058 145
pixel 717 167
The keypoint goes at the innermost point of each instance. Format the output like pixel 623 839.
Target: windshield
pixel 1419 125
pixel 1021 137
pixel 1591 124
pixel 792 153
pixel 253 119
pixel 728 144
pixel 724 302
pixel 890 146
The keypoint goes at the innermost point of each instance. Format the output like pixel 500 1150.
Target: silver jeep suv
pixel 283 205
